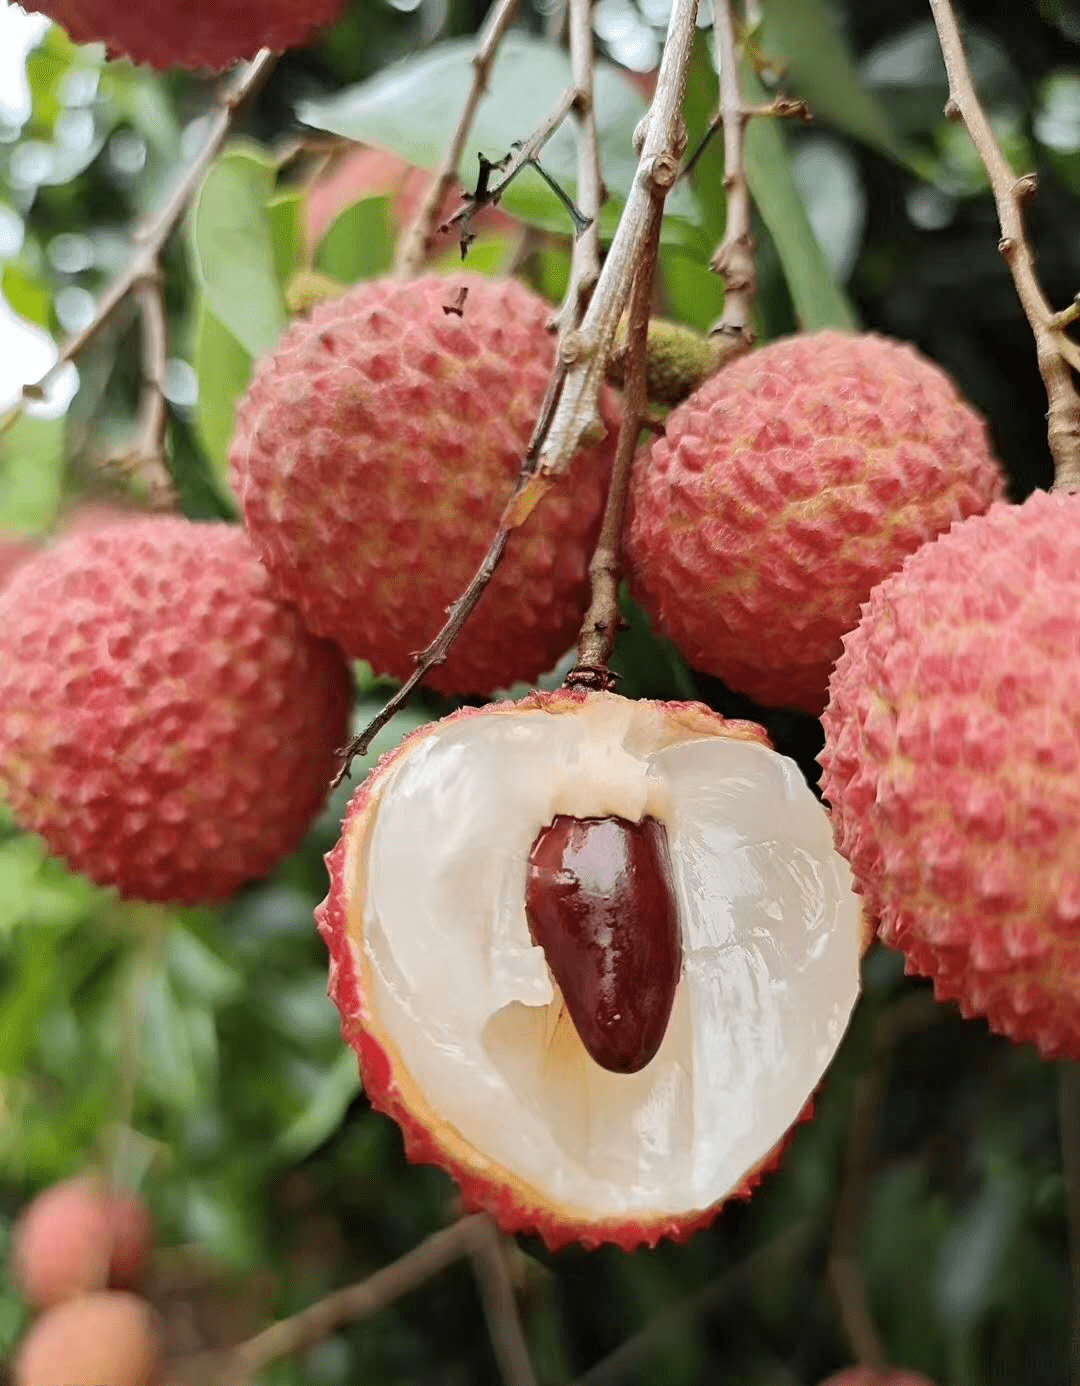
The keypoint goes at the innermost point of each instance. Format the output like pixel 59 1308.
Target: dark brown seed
pixel 600 902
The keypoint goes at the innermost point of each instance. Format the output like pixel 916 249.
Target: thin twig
pixel 661 145
pixel 585 258
pixel 418 239
pixel 1069 1139
pixel 787 107
pixel 150 239
pixel 734 256
pixel 601 623
pixel 146 458
pixel 1058 356
pixel 672 1322
pixel 491 1266
pixel 487 194
pixel 360 1301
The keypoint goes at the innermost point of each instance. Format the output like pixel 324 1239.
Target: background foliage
pixel 935 1153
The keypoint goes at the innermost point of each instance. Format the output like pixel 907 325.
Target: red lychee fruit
pixel 952 764
pixel 166 722
pixel 609 985
pixel 374 452
pixel 784 489
pixel 212 34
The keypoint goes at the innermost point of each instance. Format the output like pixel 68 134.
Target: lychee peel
pixel 374 453
pixel 952 764
pixel 784 489
pixel 166 723
pixel 211 36
pixel 350 923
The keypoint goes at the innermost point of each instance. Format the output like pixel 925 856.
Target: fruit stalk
pixel 417 240
pixel 733 259
pixel 586 351
pixel 1058 355
pixel 601 623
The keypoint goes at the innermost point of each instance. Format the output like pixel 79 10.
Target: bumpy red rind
pixel 166 722
pixel 952 764
pixel 204 35
pixel 515 1205
pixel 373 455
pixel 784 489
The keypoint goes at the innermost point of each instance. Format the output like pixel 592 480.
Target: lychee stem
pixel 1058 355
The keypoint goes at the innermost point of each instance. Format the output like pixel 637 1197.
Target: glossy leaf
pixel 223 367
pixel 359 242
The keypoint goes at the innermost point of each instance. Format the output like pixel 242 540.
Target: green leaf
pixel 223 367
pixel 234 248
pixel 695 294
pixel 803 37
pixel 404 108
pixel 359 242
pixel 30 298
pixel 37 890
pixel 707 175
pixel 285 215
pixel 324 1112
pixel 819 301
pixel 32 465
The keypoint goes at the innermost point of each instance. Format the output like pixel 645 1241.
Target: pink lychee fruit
pixel 166 723
pixel 952 764
pixel 212 34
pixel 784 489
pixel 14 551
pixel 374 453
pixel 608 986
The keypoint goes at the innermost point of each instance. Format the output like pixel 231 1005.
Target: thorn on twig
pixel 457 306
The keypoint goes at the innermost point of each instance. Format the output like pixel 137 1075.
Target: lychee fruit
pixel 784 489
pixel 374 453
pixel 14 551
pixel 212 34
pixel 952 764
pixel 108 1337
pixel 607 984
pixel 166 723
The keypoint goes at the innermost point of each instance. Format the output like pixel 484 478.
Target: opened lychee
pixel 877 1376
pixel 594 956
pixel 374 453
pixel 166 722
pixel 205 35
pixel 784 489
pixel 952 763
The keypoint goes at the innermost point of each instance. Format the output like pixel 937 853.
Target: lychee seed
pixel 600 901
pixel 784 489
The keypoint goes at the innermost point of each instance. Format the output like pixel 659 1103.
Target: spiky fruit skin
pixel 209 35
pixel 166 723
pixel 374 453
pixel 514 1205
pixel 952 764
pixel 787 487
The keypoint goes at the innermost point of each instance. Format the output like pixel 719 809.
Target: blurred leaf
pixel 404 108
pixel 805 38
pixel 707 175
pixel 971 1255
pixel 828 179
pixel 694 292
pixel 285 215
pixel 46 66
pixel 27 295
pixel 359 242
pixel 234 250
pixel 32 464
pixel 205 975
pixel 819 301
pixel 35 889
pixel 324 1112
pixel 223 368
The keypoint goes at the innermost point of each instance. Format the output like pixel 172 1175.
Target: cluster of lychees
pixel 819 525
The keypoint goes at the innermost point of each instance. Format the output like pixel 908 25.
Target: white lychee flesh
pixel 427 914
